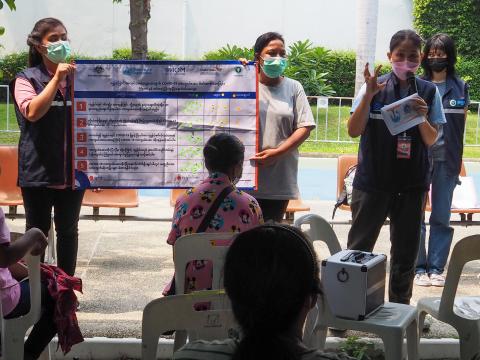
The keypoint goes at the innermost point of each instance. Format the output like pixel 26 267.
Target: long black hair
pixel 444 43
pixel 263 40
pixel 41 28
pixel 223 151
pixel 270 272
pixel 403 35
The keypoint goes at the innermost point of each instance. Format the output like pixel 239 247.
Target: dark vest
pixel 45 146
pixel 454 101
pixel 378 167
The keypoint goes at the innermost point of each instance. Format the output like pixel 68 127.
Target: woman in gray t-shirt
pixel 285 123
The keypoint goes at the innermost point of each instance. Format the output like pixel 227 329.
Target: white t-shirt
pixel 224 350
pixel 283 109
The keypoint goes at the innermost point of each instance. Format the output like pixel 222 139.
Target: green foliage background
pixel 458 18
pixel 321 71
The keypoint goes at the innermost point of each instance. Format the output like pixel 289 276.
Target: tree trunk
pixel 367 19
pixel 139 16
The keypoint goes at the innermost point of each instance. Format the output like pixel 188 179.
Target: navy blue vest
pixel 378 167
pixel 45 146
pixel 454 102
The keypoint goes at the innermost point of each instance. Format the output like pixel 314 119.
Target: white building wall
pixel 98 26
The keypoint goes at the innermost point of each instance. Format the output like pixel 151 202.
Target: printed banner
pixel 143 124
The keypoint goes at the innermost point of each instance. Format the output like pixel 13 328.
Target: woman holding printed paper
pixel 43 109
pixel 392 179
pixel 438 63
pixel 286 120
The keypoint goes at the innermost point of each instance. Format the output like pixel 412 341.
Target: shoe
pixel 437 280
pixel 422 280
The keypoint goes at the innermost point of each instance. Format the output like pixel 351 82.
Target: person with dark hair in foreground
pixel 235 210
pixel 271 276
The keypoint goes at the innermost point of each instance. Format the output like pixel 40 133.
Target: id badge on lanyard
pixel 404 146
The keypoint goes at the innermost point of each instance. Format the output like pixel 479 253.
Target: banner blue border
pixel 163 62
pixel 162 95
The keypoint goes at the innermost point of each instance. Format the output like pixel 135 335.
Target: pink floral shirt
pixel 238 212
pixel 9 287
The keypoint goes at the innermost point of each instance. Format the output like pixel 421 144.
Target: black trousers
pixel 66 205
pixel 405 210
pixel 273 210
pixel 45 328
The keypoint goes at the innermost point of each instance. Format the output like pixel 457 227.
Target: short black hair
pixel 269 273
pixel 223 151
pixel 264 39
pixel 442 42
pixel 403 35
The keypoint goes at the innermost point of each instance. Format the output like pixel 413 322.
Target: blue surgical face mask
pixel 274 67
pixel 58 51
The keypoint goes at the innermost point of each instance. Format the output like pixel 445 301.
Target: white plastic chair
pixel 201 246
pixel 391 322
pixel 14 330
pixel 178 313
pixel 320 230
pixel 458 311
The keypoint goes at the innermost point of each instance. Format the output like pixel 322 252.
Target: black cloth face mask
pixel 438 64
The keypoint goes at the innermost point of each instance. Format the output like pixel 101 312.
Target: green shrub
pixel 126 54
pixel 469 70
pixel 357 348
pixel 304 65
pixel 229 53
pixel 459 19
pixel 11 64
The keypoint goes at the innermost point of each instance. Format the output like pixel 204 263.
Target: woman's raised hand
pixel 373 87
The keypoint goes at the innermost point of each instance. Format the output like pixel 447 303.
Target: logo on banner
pixel 179 70
pixel 98 71
pixel 135 71
pixel 210 69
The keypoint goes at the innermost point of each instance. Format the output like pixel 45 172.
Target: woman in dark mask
pixel 438 63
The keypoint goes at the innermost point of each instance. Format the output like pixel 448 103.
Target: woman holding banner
pixel 43 109
pixel 286 120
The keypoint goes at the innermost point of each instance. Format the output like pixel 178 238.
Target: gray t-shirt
pixel 283 109
pixel 438 149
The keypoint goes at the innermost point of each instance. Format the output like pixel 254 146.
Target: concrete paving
pixel 124 265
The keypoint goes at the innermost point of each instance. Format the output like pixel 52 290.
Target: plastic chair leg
pixel 469 344
pixel 412 341
pixel 421 321
pixel 319 337
pixel 14 339
pixel 309 328
pixel 45 355
pixel 51 253
pixel 180 339
pixel 393 345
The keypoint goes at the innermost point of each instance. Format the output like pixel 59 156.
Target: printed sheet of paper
pixel 143 124
pixel 401 115
pixel 465 194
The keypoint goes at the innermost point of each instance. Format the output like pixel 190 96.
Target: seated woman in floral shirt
pixel 237 212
